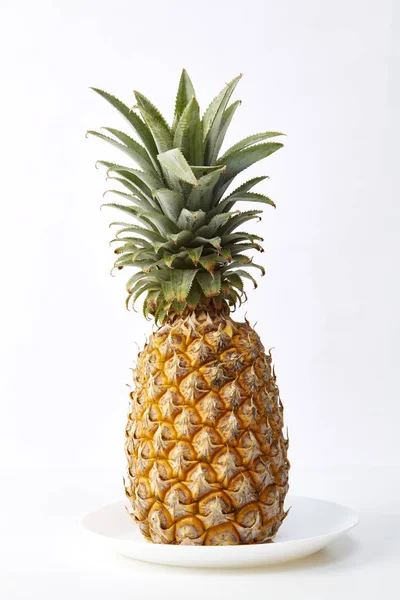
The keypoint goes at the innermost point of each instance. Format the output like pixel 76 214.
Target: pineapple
pixel 207 459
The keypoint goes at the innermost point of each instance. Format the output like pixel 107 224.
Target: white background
pixel 327 74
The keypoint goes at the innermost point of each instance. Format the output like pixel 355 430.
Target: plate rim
pixel 352 515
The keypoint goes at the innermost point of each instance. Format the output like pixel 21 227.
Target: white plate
pixel 310 526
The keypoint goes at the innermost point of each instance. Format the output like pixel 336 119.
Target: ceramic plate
pixel 310 526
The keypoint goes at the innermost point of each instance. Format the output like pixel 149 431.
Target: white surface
pixel 327 74
pixel 45 554
pixel 311 525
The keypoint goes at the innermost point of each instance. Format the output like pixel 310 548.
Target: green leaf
pixel 151 182
pixel 146 265
pixel 241 263
pixel 214 129
pixel 239 219
pixel 225 122
pixel 215 223
pixel 248 185
pixel 227 204
pixel 239 161
pixel 238 248
pixel 195 253
pixel 151 287
pixel 188 135
pixel 127 209
pixel 156 123
pixel 169 258
pixel 190 220
pixel 204 169
pixel 240 236
pixel 175 163
pixel 179 285
pixel 210 261
pixel 201 195
pixel 126 260
pixel 245 275
pixel 135 186
pixel 249 141
pixel 153 236
pixel 149 217
pixel 242 259
pixel 183 97
pixel 132 280
pixel 212 110
pixel 194 297
pixel 137 151
pixel 151 302
pixel 134 120
pixel 226 253
pixel 130 177
pixel 162 222
pixel 137 251
pixel 210 284
pixel 132 240
pixel 171 202
pixel 215 242
pixel 131 151
pixel 140 202
pixel 235 280
pixel 182 238
pixel 233 298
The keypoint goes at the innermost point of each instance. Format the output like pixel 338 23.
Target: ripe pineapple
pixel 207 460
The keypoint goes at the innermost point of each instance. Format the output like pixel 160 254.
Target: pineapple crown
pixel 184 239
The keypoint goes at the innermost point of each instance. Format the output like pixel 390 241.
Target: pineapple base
pixel 207 459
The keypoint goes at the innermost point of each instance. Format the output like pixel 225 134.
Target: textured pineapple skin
pixel 207 459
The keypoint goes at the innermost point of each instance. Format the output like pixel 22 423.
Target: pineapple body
pixel 207 459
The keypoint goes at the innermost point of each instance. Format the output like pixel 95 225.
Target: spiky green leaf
pixel 249 184
pixel 137 151
pixel 134 120
pixel 191 219
pixel 215 242
pixel 183 97
pixel 162 222
pixel 227 204
pixel 213 226
pixel 250 141
pixel 220 99
pixel 237 220
pixel 194 297
pixel 134 150
pixel 211 137
pixel 239 161
pixel 244 274
pixel 210 284
pixel 235 280
pixel 176 164
pixel 155 121
pixel 201 195
pixel 151 182
pixel 140 202
pixel 210 261
pixel 188 135
pixel 247 263
pixel 225 122
pixel 171 202
pixel 194 254
pixel 179 285
pixel 153 236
